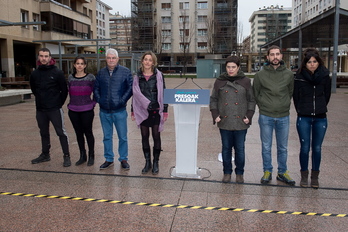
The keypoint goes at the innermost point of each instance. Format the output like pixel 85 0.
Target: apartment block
pixel 120 32
pixel 20 38
pixel 267 24
pixel 102 21
pixel 182 31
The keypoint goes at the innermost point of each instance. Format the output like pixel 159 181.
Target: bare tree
pixel 240 37
pixel 187 31
pixel 209 23
pixel 162 36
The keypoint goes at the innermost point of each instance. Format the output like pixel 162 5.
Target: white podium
pixel 187 104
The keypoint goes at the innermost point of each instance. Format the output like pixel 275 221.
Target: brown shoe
pixel 227 178
pixel 239 179
pixel 314 179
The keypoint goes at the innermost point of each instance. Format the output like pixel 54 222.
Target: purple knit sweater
pixel 80 91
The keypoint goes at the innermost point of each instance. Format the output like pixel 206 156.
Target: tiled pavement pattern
pixel 256 207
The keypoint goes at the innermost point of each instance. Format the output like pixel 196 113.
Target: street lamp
pixel 340 54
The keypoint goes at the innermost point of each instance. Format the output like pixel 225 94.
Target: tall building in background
pixel 181 32
pixel 65 20
pixel 267 24
pixel 305 10
pixel 102 21
pixel 120 32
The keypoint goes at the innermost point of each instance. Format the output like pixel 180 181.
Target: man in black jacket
pixel 50 89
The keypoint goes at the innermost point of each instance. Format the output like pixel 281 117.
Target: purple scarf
pixel 140 102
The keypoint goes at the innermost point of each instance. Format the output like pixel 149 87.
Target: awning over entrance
pixel 327 30
pixel 318 32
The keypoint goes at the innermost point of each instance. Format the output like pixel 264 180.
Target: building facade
pixel 267 24
pixel 66 20
pixel 120 32
pixel 304 10
pixel 180 32
pixel 102 21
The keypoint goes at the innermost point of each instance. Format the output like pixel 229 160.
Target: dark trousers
pixel 83 126
pixel 233 139
pixel 56 118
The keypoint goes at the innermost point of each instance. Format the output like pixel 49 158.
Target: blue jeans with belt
pixel 281 128
pixel 108 120
pixel 308 127
pixel 233 139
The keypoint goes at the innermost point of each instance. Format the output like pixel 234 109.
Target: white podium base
pixel 197 175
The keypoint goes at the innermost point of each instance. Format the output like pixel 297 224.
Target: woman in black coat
pixel 312 91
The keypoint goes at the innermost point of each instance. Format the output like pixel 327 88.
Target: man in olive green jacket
pixel 273 87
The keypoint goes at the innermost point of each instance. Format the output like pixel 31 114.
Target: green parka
pixel 273 89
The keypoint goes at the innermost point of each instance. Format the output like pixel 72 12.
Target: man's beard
pixel 275 64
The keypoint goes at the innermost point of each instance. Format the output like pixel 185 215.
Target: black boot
pixel 90 158
pixel 67 161
pixel 156 155
pixel 43 157
pixel 147 155
pixel 83 158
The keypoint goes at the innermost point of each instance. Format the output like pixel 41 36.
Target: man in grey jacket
pixel 273 87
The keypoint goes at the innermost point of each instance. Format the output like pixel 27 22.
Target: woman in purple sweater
pixel 81 108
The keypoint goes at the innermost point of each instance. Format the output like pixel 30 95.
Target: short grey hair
pixel 111 51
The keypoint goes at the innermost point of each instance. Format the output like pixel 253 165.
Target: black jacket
pixel 312 92
pixel 49 86
pixel 149 90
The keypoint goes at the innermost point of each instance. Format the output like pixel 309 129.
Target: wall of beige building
pixel 14 11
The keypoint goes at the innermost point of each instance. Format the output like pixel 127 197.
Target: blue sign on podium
pixel 187 96
pixel 187 104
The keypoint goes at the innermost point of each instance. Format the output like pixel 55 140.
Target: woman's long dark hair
pixel 307 55
pixel 84 61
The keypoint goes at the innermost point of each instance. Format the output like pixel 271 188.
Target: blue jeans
pixel 119 119
pixel 236 140
pixel 281 128
pixel 307 127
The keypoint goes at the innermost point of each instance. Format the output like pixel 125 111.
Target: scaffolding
pixel 225 26
pixel 143 30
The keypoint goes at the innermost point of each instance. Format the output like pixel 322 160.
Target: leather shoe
pixel 125 165
pixel 106 165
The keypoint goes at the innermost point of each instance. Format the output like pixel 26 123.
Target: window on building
pixel 148 22
pixel 36 18
pixel 184 46
pixel 184 5
pixel 202 32
pixel 202 45
pixel 24 17
pixel 202 5
pixel 202 18
pixel 187 32
pixel 166 6
pixel 166 33
pixel 183 19
pixel 166 19
pixel 166 46
pixel 222 4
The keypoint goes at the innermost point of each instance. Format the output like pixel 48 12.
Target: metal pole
pixel 98 60
pixel 340 54
pixel 60 56
pixel 335 46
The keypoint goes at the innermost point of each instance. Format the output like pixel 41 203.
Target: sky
pixel 245 9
